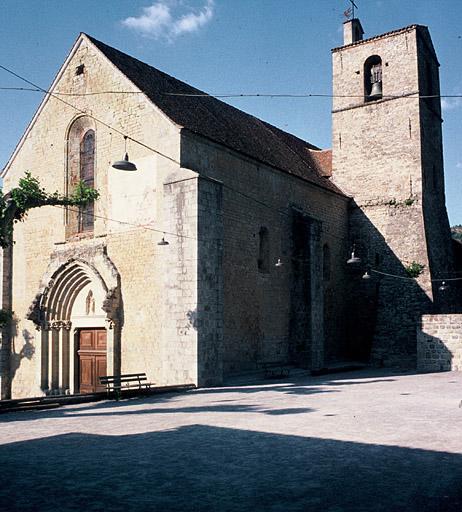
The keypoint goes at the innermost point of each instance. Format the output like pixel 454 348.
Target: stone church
pixel 227 247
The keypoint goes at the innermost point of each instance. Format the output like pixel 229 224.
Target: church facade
pixel 227 247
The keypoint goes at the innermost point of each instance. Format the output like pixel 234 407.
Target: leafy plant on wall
pixel 29 194
pixel 456 232
pixel 414 269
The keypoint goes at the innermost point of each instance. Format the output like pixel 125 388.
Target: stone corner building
pixel 93 293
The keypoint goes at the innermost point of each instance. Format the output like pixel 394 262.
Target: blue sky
pixel 228 46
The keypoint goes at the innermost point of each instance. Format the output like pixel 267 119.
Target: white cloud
pixel 164 19
pixel 451 103
pixel 154 20
pixel 191 22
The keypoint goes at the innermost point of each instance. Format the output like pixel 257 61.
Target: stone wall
pixel 200 307
pixel 388 155
pixel 128 212
pixel 191 340
pixel 439 343
pixel 257 302
pixel 178 338
pixel 209 313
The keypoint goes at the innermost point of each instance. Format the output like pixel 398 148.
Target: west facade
pixel 259 225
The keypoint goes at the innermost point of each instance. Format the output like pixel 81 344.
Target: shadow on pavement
pixel 201 468
pixel 300 386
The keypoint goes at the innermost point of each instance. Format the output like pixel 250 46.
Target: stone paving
pixel 368 441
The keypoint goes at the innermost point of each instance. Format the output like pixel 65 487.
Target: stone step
pixel 339 368
pixel 48 402
pixel 30 407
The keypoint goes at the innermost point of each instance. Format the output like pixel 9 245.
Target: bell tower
pixel 387 154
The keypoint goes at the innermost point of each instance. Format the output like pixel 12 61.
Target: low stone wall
pixel 439 343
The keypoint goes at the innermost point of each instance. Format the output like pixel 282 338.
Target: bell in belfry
pixel 376 82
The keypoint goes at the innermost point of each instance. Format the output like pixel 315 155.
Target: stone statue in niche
pixel 90 303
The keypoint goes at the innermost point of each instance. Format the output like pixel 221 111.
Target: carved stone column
pixel 54 356
pixel 44 359
pixel 65 345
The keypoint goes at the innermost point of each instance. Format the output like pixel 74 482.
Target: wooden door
pixel 92 359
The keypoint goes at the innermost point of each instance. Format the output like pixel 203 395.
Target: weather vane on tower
pixel 350 12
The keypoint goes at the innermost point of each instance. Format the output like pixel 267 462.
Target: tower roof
pixel 422 30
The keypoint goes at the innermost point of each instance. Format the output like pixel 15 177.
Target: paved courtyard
pixel 363 441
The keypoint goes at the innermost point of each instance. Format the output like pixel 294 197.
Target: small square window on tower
pixel 79 69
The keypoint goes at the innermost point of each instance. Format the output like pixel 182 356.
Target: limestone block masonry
pixel 192 330
pixel 209 311
pixel 133 199
pixel 439 343
pixel 213 301
pixel 387 153
pixel 257 305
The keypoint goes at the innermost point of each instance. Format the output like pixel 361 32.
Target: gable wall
pixel 135 198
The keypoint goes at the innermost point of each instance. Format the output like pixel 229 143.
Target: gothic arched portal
pixel 77 315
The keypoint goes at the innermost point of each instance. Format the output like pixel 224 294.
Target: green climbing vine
pixel 29 194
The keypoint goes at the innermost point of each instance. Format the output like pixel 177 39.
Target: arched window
pixel 373 78
pixel 81 156
pixel 326 263
pixel 263 251
pixel 87 175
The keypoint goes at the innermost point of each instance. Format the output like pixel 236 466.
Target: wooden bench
pixel 275 369
pixel 119 383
